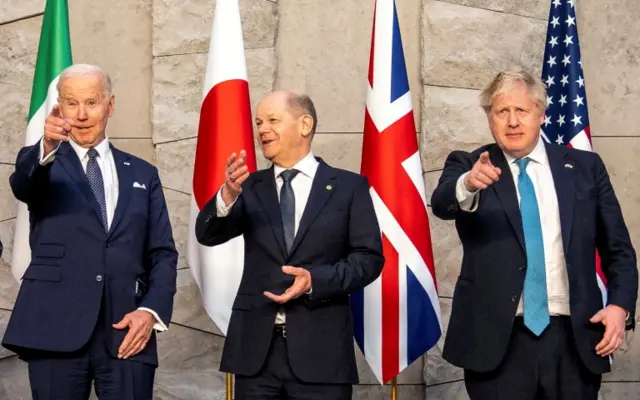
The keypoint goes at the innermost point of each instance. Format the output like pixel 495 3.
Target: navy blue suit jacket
pixel 75 263
pixel 488 289
pixel 338 241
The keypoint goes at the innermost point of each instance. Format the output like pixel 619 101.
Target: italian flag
pixel 225 127
pixel 54 55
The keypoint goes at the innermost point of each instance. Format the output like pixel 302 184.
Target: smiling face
pixel 284 134
pixel 515 119
pixel 84 100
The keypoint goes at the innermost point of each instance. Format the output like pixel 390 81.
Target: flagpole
pixel 394 389
pixel 229 386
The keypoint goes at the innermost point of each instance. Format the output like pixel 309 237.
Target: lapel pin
pixel 568 166
pixel 329 187
pixel 127 163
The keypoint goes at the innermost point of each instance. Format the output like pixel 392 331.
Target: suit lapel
pixel 506 191
pixel 564 182
pixel 266 191
pixel 324 184
pixel 125 185
pixel 69 160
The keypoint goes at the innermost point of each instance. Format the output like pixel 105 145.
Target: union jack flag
pixel 397 317
pixel 566 120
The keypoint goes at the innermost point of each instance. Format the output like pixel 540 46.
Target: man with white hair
pixel 528 321
pixel 103 260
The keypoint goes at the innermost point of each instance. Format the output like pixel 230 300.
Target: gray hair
pixel 504 81
pixel 83 70
pixel 303 104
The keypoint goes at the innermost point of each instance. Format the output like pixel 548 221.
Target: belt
pixel 280 330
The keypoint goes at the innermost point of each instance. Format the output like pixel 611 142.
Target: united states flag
pixel 397 317
pixel 566 120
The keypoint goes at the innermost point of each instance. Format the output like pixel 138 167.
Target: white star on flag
pixel 576 120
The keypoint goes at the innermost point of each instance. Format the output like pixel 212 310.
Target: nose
pixel 513 119
pixel 81 114
pixel 263 129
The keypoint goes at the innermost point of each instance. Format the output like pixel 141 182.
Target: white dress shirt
pixel 555 264
pixel 109 172
pixel 301 185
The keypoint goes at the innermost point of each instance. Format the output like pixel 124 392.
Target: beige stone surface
pixel 189 361
pixel 8 206
pixel 534 8
pixel 465 46
pixel 18 48
pixel 188 308
pixel 142 147
pixel 447 253
pixel 178 204
pixel 437 371
pixel 178 84
pixel 610 53
pixel 377 392
pixel 14 379
pixel 619 390
pixel 10 10
pixel 452 120
pixel 175 164
pixel 117 36
pixel 412 375
pixel 448 391
pixel 4 320
pixel 184 26
pixel 323 50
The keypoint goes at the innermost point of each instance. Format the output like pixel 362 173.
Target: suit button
pixel 522 267
pixel 107 245
pixel 99 278
pixel 514 299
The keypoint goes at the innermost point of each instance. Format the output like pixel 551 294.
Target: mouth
pixel 266 142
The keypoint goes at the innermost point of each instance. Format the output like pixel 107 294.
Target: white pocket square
pixel 139 186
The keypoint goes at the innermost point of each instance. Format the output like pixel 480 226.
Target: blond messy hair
pixel 505 80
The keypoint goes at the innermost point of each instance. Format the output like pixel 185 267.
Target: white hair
pixel 83 70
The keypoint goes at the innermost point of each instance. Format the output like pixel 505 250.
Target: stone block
pixel 117 36
pixel 447 391
pixel 177 90
pixel 340 150
pixel 378 392
pixel 465 47
pixel 179 205
pixel 14 379
pixel 11 10
pixel 325 53
pixel 4 320
pixel 437 371
pixel 8 203
pixel 18 48
pixel 619 390
pixel 611 57
pixel 447 253
pixel 188 309
pixel 535 9
pixel 412 375
pixel 142 147
pixel 184 26
pixel 452 120
pixel 175 164
pixel 8 286
pixel 189 361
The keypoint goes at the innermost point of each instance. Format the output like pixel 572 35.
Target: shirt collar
pixel 537 155
pixel 102 148
pixel 307 166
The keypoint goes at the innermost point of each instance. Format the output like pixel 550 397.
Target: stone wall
pixel 156 52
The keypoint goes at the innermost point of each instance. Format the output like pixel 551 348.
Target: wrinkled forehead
pixel 82 86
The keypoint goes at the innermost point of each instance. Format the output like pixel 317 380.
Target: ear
pixel 306 124
pixel 112 102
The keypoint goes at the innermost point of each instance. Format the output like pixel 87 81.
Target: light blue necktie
pixel 536 308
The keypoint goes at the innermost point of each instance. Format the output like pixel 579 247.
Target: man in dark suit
pixel 311 238
pixel 528 319
pixel 103 261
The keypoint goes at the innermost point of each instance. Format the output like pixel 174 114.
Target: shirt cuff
pixel 222 210
pixel 158 326
pixel 468 200
pixel 50 157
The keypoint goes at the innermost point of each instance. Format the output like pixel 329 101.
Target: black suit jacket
pixel 338 241
pixel 494 263
pixel 77 269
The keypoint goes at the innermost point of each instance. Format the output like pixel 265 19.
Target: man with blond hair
pixel 528 321
pixel 103 261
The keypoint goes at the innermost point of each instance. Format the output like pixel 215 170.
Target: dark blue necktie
pixel 288 206
pixel 535 299
pixel 97 185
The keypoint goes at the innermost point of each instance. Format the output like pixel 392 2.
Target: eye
pixel 92 103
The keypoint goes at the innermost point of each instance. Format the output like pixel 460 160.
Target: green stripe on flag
pixel 54 51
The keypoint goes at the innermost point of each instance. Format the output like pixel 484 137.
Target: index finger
pixel 126 343
pixel 231 159
pixel 55 111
